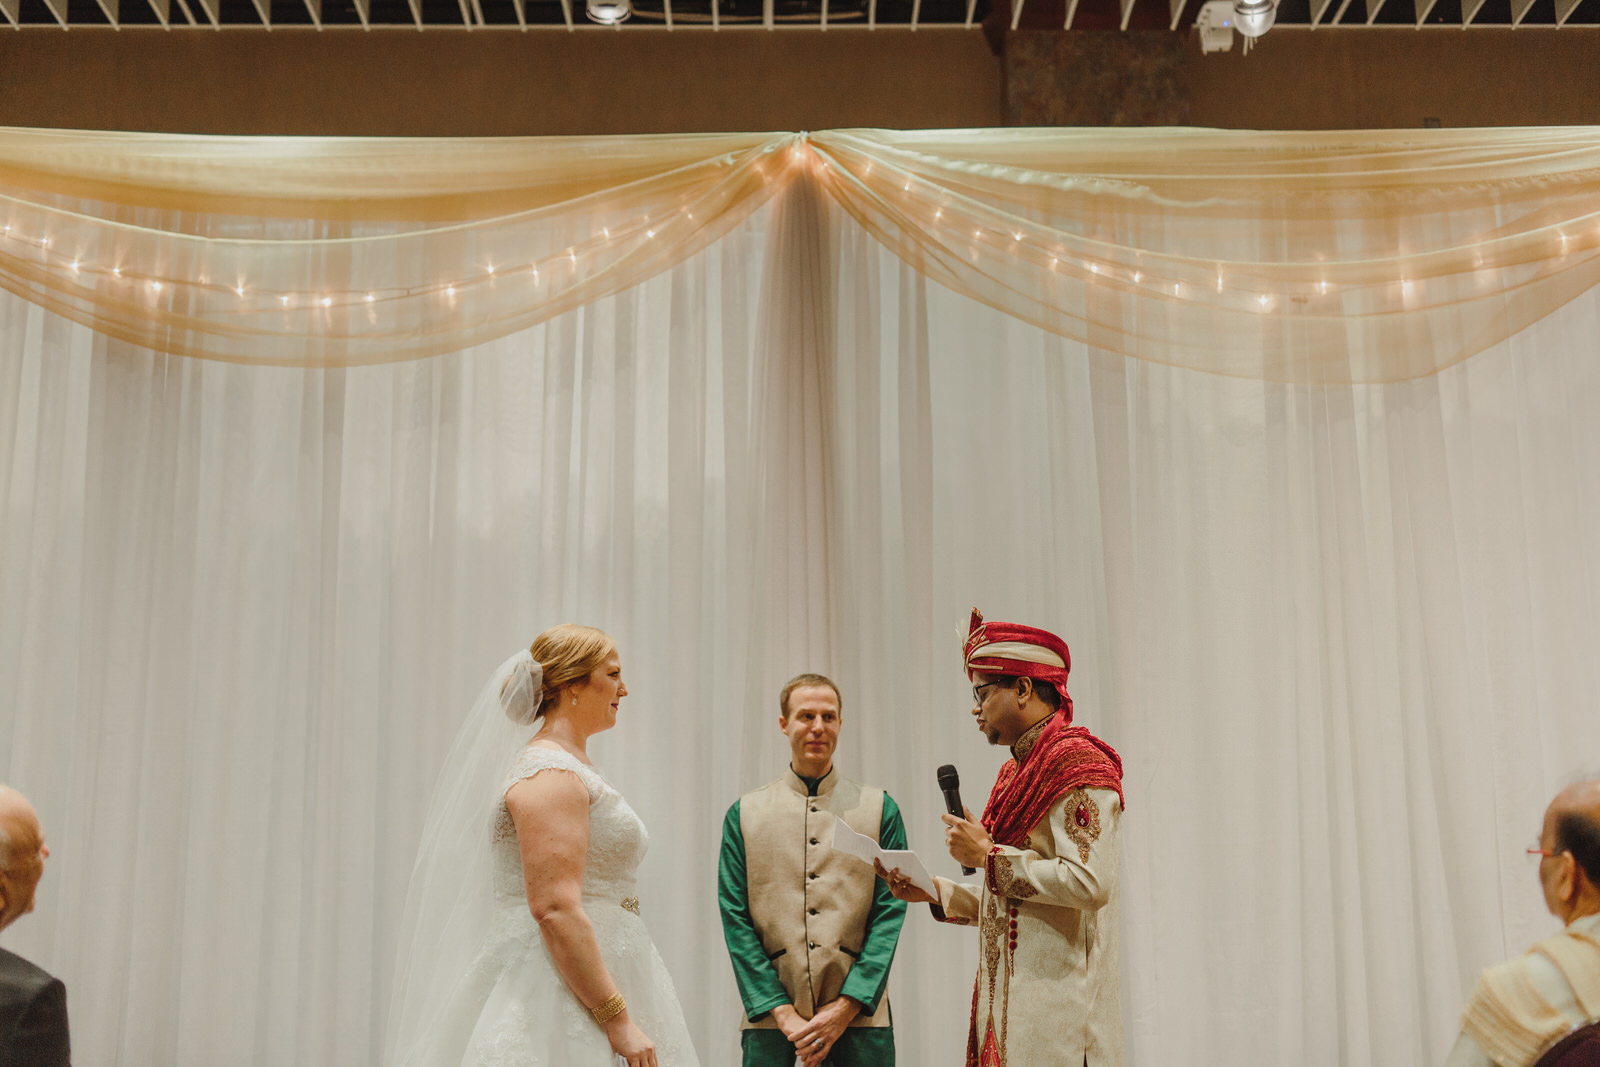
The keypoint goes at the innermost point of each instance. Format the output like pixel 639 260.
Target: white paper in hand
pixel 866 850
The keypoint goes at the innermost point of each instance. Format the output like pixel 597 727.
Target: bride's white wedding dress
pixel 512 1005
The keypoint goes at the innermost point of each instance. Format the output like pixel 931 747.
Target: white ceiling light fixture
pixel 609 12
pixel 1252 18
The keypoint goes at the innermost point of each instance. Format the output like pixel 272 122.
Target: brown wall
pixel 488 83
pixel 444 82
pixel 1384 78
pixel 1299 79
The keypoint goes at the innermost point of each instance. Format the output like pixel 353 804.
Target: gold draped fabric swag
pixel 1300 257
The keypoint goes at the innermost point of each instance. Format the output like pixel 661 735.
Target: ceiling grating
pixel 773 15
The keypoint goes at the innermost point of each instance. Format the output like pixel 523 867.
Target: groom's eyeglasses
pixel 978 695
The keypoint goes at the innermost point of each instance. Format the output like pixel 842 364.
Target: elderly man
pixel 1047 992
pixel 1521 1007
pixel 33 1005
pixel 810 932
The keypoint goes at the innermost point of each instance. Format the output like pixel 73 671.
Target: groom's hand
pixel 966 839
pixel 900 885
pixel 815 1039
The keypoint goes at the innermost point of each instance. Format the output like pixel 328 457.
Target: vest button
pixel 813 840
pixel 813 944
pixel 813 874
pixel 811 911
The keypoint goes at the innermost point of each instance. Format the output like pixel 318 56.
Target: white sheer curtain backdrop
pixel 246 608
pixel 1341 636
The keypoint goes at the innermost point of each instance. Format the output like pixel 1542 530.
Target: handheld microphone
pixel 950 786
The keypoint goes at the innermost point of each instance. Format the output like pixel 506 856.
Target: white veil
pixel 450 904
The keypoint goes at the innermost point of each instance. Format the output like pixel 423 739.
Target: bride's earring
pixel 574 701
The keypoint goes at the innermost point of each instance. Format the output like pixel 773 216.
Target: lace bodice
pixel 617 837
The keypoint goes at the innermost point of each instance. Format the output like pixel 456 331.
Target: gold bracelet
pixel 609 1010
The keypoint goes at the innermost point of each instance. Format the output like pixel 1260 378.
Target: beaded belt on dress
pixel 631 903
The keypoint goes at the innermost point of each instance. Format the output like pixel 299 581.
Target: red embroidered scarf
pixel 1063 758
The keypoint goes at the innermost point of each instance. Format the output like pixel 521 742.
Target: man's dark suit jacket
pixel 33 1016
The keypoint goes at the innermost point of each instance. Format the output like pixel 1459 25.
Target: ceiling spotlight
pixel 610 12
pixel 1252 18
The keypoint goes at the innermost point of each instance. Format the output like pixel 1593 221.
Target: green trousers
pixel 858 1046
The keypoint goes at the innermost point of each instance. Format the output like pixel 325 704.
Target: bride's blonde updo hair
pixel 568 653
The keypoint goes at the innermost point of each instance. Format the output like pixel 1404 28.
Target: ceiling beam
pixel 209 9
pixel 314 9
pixel 1176 7
pixel 12 9
pixel 109 7
pixel 1127 11
pixel 767 13
pixel 264 9
pixel 1016 12
pixel 824 14
pixel 1564 10
pixel 1519 11
pixel 1319 9
pixel 163 10
pixel 416 12
pixel 916 14
pixel 668 8
pixel 1422 8
pixel 58 8
pixel 1072 10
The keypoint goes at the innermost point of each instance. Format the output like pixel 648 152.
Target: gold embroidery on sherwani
pixel 1083 821
pixel 993 932
pixel 1004 881
pixel 1025 743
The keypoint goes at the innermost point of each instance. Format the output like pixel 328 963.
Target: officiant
pixel 811 932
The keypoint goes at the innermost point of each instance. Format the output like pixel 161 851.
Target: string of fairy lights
pixel 958 226
pixel 537 272
pixel 1240 284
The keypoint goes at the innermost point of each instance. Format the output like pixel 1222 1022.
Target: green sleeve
pixel 759 987
pixel 869 975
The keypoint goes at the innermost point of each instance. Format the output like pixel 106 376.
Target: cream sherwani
pixel 1048 987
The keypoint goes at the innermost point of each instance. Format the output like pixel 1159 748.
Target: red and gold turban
pixel 1063 757
pixel 1013 649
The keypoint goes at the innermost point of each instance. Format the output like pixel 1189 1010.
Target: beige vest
pixel 809 903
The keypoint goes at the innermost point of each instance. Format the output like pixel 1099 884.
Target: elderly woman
pixel 525 943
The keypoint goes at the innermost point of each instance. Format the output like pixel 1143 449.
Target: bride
pixel 523 942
